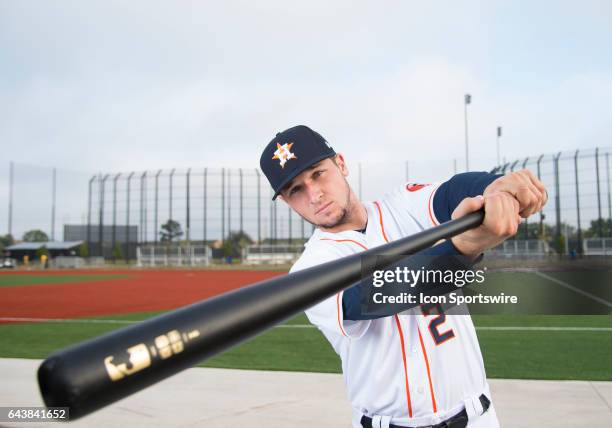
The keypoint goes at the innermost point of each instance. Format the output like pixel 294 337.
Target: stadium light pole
pixel 468 100
pixel 499 134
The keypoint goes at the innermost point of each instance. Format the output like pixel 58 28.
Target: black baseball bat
pixel 97 372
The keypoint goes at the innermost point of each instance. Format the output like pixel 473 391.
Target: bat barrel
pixel 100 371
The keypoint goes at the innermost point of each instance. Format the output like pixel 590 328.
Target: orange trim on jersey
pixel 401 334
pixel 338 294
pixel 339 320
pixel 433 397
pixel 345 240
pixel 431 214
pixel 382 226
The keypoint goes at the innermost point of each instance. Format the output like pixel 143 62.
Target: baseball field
pixel 42 311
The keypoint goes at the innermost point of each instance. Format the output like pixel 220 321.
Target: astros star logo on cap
pixel 283 153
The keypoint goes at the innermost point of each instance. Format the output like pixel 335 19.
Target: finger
pixel 512 216
pixel 536 188
pixel 538 184
pixel 501 211
pixel 468 205
pixel 529 199
pixel 519 186
pixel 494 214
pixel 508 220
pixel 535 180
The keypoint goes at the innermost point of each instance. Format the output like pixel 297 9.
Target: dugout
pixel 18 251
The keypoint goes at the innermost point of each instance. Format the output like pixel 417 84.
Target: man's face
pixel 321 194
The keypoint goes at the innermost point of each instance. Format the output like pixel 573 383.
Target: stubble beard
pixel 344 213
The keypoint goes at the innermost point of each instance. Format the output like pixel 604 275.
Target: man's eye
pixel 294 190
pixel 317 173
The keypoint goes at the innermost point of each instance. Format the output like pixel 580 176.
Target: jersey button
pixel 420 390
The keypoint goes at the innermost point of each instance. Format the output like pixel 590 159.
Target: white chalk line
pixel 111 321
pixel 521 328
pixel 574 289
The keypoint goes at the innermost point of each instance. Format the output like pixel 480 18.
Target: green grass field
pixel 21 280
pixel 576 347
pixel 519 354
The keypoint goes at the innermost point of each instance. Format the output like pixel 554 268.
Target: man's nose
pixel 314 193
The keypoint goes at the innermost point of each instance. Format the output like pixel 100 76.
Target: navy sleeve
pixel 351 298
pixel 460 186
pixel 446 199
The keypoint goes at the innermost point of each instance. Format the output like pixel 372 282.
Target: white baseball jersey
pixel 410 369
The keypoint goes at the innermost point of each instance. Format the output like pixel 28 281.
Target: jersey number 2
pixel 435 323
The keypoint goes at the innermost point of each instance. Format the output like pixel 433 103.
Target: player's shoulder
pixel 317 250
pixel 412 195
pixel 414 199
pixel 413 190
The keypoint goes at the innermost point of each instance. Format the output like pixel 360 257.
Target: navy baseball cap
pixel 290 153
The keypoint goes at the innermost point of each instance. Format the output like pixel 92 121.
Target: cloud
pixel 121 86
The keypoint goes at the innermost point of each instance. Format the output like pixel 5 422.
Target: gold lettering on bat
pixel 139 359
pixel 169 344
pixel 193 334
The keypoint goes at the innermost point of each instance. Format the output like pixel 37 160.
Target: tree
pixel 170 231
pixel 35 235
pixel 603 224
pixel 117 253
pixel 559 244
pixel 6 241
pixel 534 231
pixel 42 251
pixel 235 242
pixel 546 231
pixel 83 251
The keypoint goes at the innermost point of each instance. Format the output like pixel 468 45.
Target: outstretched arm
pixel 505 200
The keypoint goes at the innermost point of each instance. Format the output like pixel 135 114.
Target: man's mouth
pixel 323 208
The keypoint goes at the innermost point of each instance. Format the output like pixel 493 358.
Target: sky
pixel 110 86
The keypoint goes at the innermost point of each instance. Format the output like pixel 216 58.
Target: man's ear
pixel 341 164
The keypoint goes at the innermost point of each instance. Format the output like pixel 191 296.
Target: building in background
pixel 54 249
pixel 122 240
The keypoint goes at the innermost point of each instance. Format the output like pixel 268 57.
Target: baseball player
pixel 420 367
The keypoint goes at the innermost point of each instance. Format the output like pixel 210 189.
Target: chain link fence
pixel 116 213
pixel 579 211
